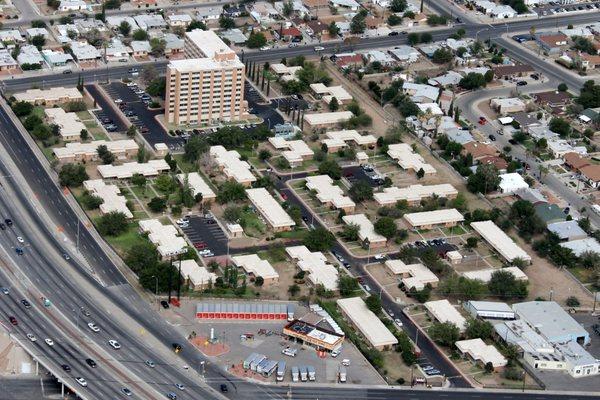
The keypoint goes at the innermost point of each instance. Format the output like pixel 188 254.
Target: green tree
pixel 295 214
pixel 560 126
pixel 139 180
pixel 259 281
pixel 157 87
pixel 256 40
pixel 22 108
pixel 140 34
pixel 350 232
pixel 504 284
pixel 141 255
pixel 231 191
pixel 38 41
pixel 226 22
pixel 288 8
pixel 425 37
pixel 562 87
pixel 112 224
pixel 347 285
pixel 165 183
pixel 589 96
pixel 105 155
pixel 445 334
pixel 264 154
pixel 486 179
pixel 72 175
pixel 374 304
pixel 472 81
pixel 195 24
pixel 194 148
pixel 442 56
pixel 131 131
pixel 361 191
pixel 394 20
pixel 333 29
pixel 90 201
pixel 478 328
pixel 398 6
pixel 331 168
pixel 472 242
pixel 157 47
pixel 412 38
pixel 572 301
pixel 334 105
pixel 386 226
pixel 293 290
pixel 358 23
pixel 157 204
pixel 319 239
pixel 125 28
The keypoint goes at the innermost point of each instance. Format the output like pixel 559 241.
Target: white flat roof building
pixel 198 185
pixel 500 241
pixel 413 275
pixel 481 352
pixel 85 51
pixel 232 166
pixel 366 232
pixel 164 237
pixel 583 245
pixel 49 96
pixel 69 123
pixel 337 139
pixel 198 277
pixel 430 108
pixel 376 333
pixel 414 193
pixel 270 209
pixel 428 219
pixel 520 334
pixel 110 195
pixel 320 272
pixel 256 267
pixel 511 183
pixel 328 93
pixel 89 150
pixel 408 159
pixel 489 309
pixel 485 275
pixel 127 170
pixel 296 151
pixel 443 311
pixel 329 193
pixel 328 118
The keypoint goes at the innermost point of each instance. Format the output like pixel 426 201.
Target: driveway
pixel 107 109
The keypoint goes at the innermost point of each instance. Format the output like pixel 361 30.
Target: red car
pixel 200 245
pixel 482 121
pixel 284 196
pixel 13 320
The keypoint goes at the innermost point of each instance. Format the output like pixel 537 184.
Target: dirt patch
pixel 210 349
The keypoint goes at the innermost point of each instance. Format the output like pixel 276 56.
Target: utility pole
pixel 170 274
pixel 156 291
pixel 179 277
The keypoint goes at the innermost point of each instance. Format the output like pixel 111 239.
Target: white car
pixel 398 322
pixel 319 48
pixel 209 254
pixel 336 352
pixel 118 101
pixel 179 386
pixel 31 337
pixel 150 363
pixel 49 342
pixel 265 48
pixel 93 327
pixel 20 239
pixel 81 381
pixel 380 257
pixel 346 362
pixel 114 344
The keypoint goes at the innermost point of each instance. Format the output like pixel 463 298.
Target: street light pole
pixel 156 291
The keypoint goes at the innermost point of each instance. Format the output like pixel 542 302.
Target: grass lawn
pixel 583 275
pixel 46 150
pixel 183 164
pixel 39 111
pixel 84 115
pixel 273 255
pixel 126 240
pixel 252 225
pixel 293 234
pixel 144 194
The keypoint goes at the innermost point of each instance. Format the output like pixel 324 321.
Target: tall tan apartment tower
pixel 208 86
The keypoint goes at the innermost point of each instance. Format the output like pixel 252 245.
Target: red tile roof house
pixel 575 161
pixel 552 44
pixel 287 34
pixel 349 60
pixel 591 174
pixel 552 98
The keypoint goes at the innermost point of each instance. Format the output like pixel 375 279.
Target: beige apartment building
pixel 208 86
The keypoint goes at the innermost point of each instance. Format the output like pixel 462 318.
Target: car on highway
pixel 93 327
pixel 393 33
pixel 2 226
pixel 179 386
pixel 171 396
pixel 164 304
pixel 65 367
pixel 319 48
pixel 19 251
pixel 150 363
pixel 20 239
pixel 4 290
pixel 8 221
pixel 126 392
pixel 492 138
pixel 81 381
pixel 31 337
pixel 26 304
pixel 13 320
pixel 49 342
pixel 114 344
pixel 91 362
pixel 521 83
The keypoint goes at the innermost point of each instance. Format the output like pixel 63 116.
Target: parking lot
pixel 266 339
pixel 554 8
pixel 207 231
pixel 366 173
pixel 141 116
pixel 106 109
